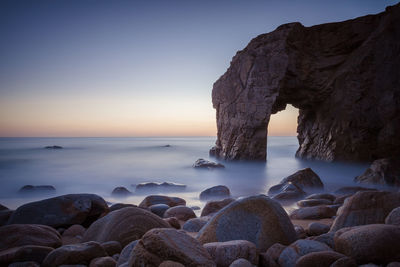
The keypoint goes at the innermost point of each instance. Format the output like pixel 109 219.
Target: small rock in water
pixel 53 147
pixel 159 199
pixel 36 188
pixel 165 186
pixel 383 172
pixel 121 192
pixel 206 164
pixel 219 191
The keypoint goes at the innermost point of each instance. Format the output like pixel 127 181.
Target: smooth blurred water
pixel 98 165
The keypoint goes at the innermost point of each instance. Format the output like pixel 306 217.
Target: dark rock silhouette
pixel 343 77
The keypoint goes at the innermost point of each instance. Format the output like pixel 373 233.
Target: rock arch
pixel 343 77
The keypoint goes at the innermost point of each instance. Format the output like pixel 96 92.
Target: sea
pixel 98 165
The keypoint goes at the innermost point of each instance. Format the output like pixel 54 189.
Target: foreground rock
pixel 182 213
pixel 316 228
pixel 25 253
pixel 313 202
pixel 158 199
pixel 215 205
pixel 383 172
pixel 206 164
pixel 37 189
pixel 343 77
pixel 74 254
pixel 103 262
pixel 17 235
pixel 257 219
pixel 124 225
pixel 376 243
pixel 393 217
pixel 61 211
pixel 159 209
pixel 159 245
pixel 195 224
pixel 126 253
pixel 366 208
pixel 215 192
pixel 316 212
pixel 165 186
pixel 225 253
pixel 320 259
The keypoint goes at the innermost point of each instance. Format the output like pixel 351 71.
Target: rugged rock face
pixel 342 76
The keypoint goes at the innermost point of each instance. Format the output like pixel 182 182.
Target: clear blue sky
pixel 133 68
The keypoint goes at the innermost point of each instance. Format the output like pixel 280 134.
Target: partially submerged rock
pixel 53 147
pixel 159 209
pixel 61 211
pixel 37 189
pixel 215 192
pixel 182 213
pixel 121 192
pixel 165 186
pixel 257 219
pixel 383 172
pixel 159 199
pixel 206 164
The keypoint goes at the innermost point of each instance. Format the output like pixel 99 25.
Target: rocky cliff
pixel 344 77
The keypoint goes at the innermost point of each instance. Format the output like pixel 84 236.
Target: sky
pixel 135 68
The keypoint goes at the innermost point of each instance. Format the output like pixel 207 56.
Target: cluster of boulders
pixel 349 227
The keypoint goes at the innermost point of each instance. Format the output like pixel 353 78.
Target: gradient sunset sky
pixel 135 68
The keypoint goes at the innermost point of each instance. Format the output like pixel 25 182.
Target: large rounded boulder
pixel 123 225
pixel 366 207
pixel 61 211
pixel 257 219
pixel 160 199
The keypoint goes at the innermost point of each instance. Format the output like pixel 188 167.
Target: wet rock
pixel 289 192
pixel 159 209
pixel 27 234
pixel 61 211
pixel 320 259
pixel 215 192
pixel 301 247
pixel 173 222
pixel 124 226
pixel 316 228
pixel 74 254
pixel 344 262
pixel 182 213
pixel 383 172
pixel 257 219
pixel 206 164
pixel 215 205
pixel 300 232
pixel 340 199
pixel 53 147
pixel 24 264
pixel 5 216
pixel 342 76
pixel 366 208
pixel 369 243
pixel 304 179
pixel 316 212
pixel 103 262
pixel 126 252
pixel 158 245
pixel 325 238
pixel 36 189
pixel 23 254
pixel 112 247
pixel 241 263
pixel 158 199
pixel 271 257
pixel 225 253
pixel 121 192
pixel 165 186
pixel 195 224
pixel 74 230
pixel 347 190
pixel 118 206
pixel 313 202
pixel 393 217
pixel 171 264
pixel 322 196
pixel 195 207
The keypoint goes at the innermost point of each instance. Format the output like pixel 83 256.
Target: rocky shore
pixel 352 226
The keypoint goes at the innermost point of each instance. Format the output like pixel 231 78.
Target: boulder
pixel 165 186
pixel 241 263
pixel 74 230
pixel 28 234
pixel 225 253
pixel 393 217
pixel 206 164
pixel 5 216
pixel 288 191
pixel 61 211
pixel 126 253
pixel 171 264
pixel 313 202
pixel 118 206
pixel 124 226
pixel 53 147
pixel 103 262
pixel 159 209
pixel 36 189
pixel 195 224
pixel 173 222
pixel 369 243
pixel 301 247
pixel 320 259
pixel 322 196
pixel 316 228
pixel 366 208
pixel 344 262
pixel 383 172
pixel 215 205
pixel 182 213
pixel 2 207
pixel 74 254
pixel 24 264
pixel 257 219
pixel 112 247
pixel 271 257
pixel 24 253
pixel 158 199
pixel 158 245
pixel 300 232
pixel 325 238
pixel 215 192
pixel 316 212
pixel 121 192
pixel 304 179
